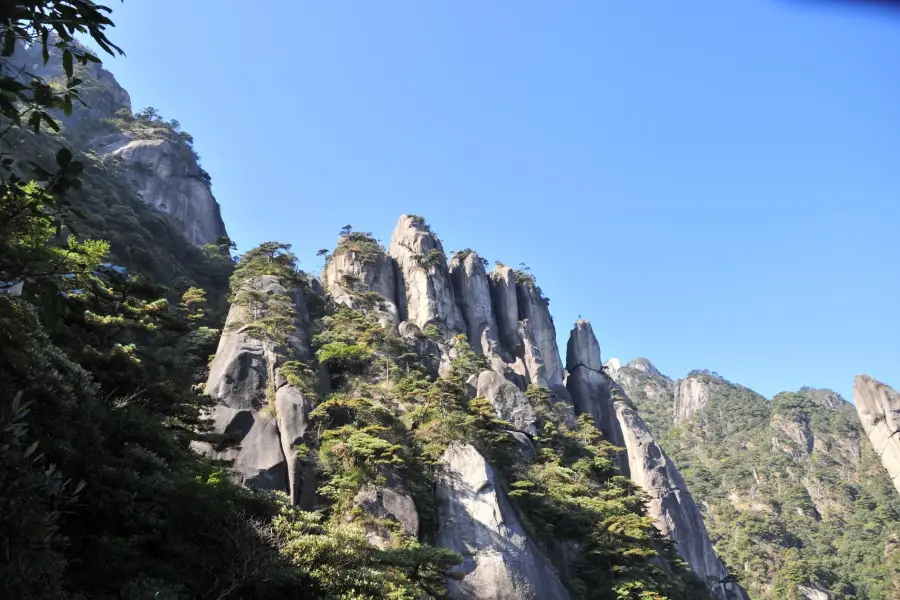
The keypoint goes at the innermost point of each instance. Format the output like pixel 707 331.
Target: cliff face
pixel 165 175
pixel 150 156
pixel 879 411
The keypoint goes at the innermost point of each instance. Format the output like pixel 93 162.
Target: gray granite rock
pixel 475 519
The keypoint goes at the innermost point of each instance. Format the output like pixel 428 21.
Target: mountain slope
pixel 794 496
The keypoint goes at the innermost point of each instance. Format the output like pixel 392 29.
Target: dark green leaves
pixel 67 63
pixel 9 43
pixel 63 157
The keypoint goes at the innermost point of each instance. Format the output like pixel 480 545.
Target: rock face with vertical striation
pixel 426 282
pixel 475 519
pixel 539 336
pixel 671 506
pixel 472 290
pixel 243 373
pixel 351 272
pixel 878 406
pixel 588 385
pixel 506 308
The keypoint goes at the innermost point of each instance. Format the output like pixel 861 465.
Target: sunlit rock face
pixel 878 406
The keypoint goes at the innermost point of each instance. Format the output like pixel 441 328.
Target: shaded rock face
pixel 508 401
pixel 589 387
pixel 506 308
pixel 426 281
pixel 878 406
pixel 470 284
pixel 165 175
pixel 476 520
pixel 349 274
pixel 671 506
pixel 242 370
pixel 691 395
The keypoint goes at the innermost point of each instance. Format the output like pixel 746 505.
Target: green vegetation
pixel 360 244
pixel 434 258
pixel 794 492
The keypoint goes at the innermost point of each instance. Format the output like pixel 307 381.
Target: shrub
pixel 341 357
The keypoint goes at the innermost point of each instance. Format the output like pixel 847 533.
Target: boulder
pixel 509 402
pixel 389 501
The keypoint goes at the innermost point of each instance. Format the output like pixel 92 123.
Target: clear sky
pixel 712 184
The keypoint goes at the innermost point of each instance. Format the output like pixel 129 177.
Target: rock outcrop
pixel 472 290
pixel 691 395
pixel 509 402
pixel 506 308
pixel 671 506
pixel 426 281
pixel 813 593
pixel 878 406
pixel 164 173
pixel 266 414
pixel 589 387
pixel 389 501
pixel 475 519
pixel 539 336
pixel 350 273
pixel 155 161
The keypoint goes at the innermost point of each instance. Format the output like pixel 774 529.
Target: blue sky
pixel 713 184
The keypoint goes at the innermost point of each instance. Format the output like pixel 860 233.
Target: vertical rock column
pixel 589 387
pixel 470 285
pixel 243 368
pixel 506 308
pixel 426 282
pixel 878 406
pixel 474 293
pixel 538 334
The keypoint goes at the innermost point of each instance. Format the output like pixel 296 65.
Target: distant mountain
pixel 795 498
